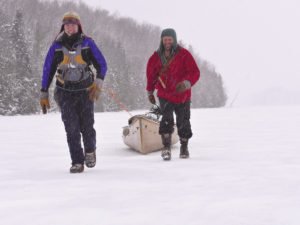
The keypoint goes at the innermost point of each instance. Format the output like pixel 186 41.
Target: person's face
pixel 168 42
pixel 71 28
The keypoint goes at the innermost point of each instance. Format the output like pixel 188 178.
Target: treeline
pixel 27 29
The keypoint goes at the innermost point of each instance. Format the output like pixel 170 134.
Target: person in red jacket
pixel 172 70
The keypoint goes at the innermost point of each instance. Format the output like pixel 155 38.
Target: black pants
pixel 77 113
pixel 183 114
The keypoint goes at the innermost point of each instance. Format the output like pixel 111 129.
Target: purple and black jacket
pixel 90 54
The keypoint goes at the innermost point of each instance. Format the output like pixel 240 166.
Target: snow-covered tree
pixel 25 85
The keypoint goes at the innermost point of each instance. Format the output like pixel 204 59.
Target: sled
pixel 142 134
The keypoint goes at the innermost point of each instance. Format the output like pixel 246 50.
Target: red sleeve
pixel 191 68
pixel 152 72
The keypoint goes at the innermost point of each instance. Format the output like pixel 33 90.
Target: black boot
pixel 166 151
pixel 77 168
pixel 184 151
pixel 90 159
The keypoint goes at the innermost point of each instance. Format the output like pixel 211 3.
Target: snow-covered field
pixel 244 170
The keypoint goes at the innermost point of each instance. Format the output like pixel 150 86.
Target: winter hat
pixel 171 33
pixel 73 18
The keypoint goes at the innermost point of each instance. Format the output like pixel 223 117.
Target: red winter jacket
pixel 182 67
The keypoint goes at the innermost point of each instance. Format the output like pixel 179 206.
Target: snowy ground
pixel 244 170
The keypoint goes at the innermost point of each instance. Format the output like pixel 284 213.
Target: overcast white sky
pixel 254 44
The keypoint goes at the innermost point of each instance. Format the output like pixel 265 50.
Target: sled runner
pixel 142 133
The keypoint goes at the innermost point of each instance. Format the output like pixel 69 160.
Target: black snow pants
pixel 183 114
pixel 77 113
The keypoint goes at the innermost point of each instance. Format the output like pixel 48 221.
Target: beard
pixel 168 47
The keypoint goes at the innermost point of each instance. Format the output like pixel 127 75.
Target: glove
pixel 95 89
pixel 183 86
pixel 151 98
pixel 44 101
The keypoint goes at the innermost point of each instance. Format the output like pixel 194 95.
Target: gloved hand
pixel 151 98
pixel 44 101
pixel 95 89
pixel 183 86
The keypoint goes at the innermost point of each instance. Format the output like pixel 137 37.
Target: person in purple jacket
pixel 77 87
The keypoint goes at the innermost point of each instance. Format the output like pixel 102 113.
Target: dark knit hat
pixel 169 32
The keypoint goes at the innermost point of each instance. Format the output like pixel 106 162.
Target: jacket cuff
pixel 44 90
pixel 100 76
pixel 150 93
pixel 44 95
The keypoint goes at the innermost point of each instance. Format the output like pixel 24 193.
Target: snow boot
pixel 90 159
pixel 77 168
pixel 184 151
pixel 166 151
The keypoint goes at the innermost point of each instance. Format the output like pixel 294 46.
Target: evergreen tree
pixel 25 94
pixel 6 67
